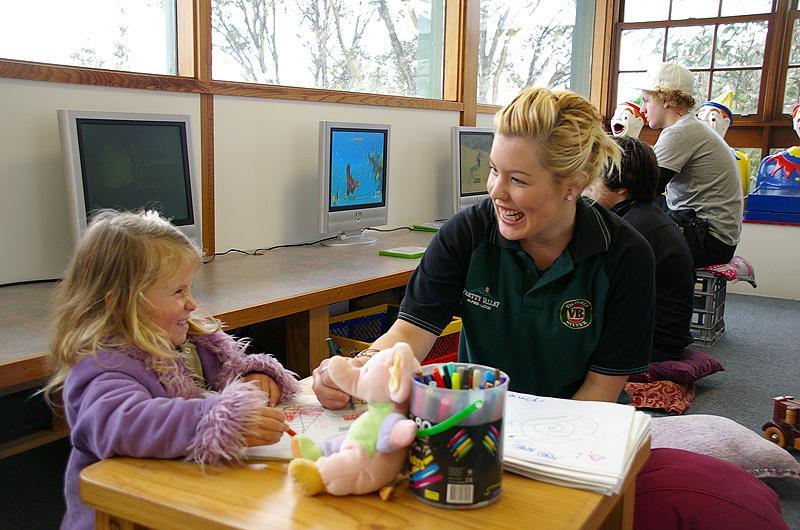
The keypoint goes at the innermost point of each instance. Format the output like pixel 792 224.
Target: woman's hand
pixel 328 393
pixel 268 429
pixel 268 386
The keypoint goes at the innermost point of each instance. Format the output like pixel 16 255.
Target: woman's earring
pixel 570 197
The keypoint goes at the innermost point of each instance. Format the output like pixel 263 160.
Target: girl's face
pixel 604 195
pixel 173 303
pixel 529 202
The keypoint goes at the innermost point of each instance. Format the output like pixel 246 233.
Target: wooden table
pixel 298 283
pixel 127 492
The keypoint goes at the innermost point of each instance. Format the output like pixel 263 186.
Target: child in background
pixel 142 374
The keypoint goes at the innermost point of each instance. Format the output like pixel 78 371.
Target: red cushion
pixel 672 397
pixel 682 490
pixel 693 365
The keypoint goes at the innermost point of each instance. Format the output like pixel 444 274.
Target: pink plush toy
pixel 372 452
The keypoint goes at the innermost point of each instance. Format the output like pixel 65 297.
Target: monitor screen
pixel 130 165
pixel 470 162
pixel 357 168
pixel 353 180
pixel 129 161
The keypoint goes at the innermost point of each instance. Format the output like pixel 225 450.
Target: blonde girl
pixel 552 288
pixel 142 373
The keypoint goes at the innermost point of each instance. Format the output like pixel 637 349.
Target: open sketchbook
pixel 581 444
pixel 305 415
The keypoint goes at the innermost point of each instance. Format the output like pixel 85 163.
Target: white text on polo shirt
pixel 480 299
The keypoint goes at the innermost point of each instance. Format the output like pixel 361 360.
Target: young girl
pixel 142 374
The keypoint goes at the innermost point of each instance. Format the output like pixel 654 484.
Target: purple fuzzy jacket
pixel 118 404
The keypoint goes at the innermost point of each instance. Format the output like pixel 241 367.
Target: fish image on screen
pixel 353 180
pixel 471 147
pixel 357 168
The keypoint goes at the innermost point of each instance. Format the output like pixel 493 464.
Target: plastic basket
pixel 355 331
pixel 708 322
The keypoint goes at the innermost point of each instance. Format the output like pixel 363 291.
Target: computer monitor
pixel 353 180
pixel 471 148
pixel 129 161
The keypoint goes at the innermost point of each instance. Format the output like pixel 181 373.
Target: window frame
pixel 771 127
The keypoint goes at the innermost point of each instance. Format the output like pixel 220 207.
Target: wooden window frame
pixel 770 128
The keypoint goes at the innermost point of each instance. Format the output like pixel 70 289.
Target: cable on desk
pixel 26 282
pixel 388 229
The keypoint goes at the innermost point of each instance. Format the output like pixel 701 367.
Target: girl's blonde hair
pixel 565 129
pixel 100 304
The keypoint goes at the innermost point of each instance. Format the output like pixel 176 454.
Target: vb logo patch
pixel 576 314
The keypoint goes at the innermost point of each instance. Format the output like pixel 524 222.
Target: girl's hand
pixel 268 386
pixel 268 429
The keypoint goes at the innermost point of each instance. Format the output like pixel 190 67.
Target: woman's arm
pixel 599 387
pixel 420 341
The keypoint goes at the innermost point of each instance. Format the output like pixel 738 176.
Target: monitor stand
pixel 350 237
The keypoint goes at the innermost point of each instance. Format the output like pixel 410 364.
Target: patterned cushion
pixel 672 397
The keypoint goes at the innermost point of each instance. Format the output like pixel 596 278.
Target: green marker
pixel 331 347
pixel 452 420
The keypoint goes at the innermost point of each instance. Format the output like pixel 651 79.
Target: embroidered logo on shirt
pixel 576 314
pixel 481 298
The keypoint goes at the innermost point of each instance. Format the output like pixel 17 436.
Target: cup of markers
pixel 456 459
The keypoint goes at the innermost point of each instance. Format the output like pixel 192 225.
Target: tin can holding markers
pixel 456 459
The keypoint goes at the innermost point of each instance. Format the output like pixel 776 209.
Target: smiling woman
pixel 568 287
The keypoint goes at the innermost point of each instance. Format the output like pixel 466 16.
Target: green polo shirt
pixel 592 310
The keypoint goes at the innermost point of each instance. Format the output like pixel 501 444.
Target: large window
pixel 533 43
pixel 723 42
pixel 791 94
pixel 135 36
pixel 381 46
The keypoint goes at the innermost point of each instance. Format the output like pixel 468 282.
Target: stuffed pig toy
pixel 374 449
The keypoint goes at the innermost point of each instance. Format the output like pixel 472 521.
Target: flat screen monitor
pixel 471 148
pixel 129 161
pixel 353 180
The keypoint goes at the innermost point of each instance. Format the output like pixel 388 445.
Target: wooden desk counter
pixel 171 494
pixel 299 282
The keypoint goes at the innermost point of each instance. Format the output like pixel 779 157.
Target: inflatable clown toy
pixel 776 197
pixel 718 116
pixel 627 120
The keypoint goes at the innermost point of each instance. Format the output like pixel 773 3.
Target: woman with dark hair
pixel 630 192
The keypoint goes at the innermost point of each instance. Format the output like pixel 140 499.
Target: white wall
pixel 774 252
pixel 265 156
pixel 34 229
pixel 266 183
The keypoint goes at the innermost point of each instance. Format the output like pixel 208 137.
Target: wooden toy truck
pixel 784 429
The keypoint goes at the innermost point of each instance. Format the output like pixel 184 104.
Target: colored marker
pixel 446 376
pixel 290 432
pixel 455 381
pixel 331 347
pixel 438 377
pixel 452 421
pixel 462 377
pixel 476 379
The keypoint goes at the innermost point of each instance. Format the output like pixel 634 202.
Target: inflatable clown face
pixel 627 120
pixel 714 117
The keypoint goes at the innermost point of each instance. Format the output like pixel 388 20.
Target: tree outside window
pixel 533 43
pixel 378 46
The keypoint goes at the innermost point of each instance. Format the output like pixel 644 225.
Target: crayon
pixel 290 432
pixel 462 377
